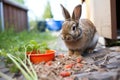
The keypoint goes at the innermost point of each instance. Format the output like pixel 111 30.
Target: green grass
pixel 9 39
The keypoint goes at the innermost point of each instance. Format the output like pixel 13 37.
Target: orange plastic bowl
pixel 37 58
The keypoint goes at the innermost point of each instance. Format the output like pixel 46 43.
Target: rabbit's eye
pixel 74 27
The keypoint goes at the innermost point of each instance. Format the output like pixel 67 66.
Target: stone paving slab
pixel 98 76
pixel 2 79
pixel 103 65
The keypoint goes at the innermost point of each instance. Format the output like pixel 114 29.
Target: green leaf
pixel 28 74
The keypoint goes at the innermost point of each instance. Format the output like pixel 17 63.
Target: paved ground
pixel 104 64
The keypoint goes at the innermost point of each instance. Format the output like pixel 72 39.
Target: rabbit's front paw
pixel 70 52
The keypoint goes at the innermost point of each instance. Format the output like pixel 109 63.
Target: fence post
pixel 1 17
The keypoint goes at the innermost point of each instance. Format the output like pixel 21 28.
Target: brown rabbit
pixel 79 35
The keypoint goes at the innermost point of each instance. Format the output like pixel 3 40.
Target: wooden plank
pixel 114 19
pixel 13 17
pixel 10 17
pixel 23 19
pixel 103 14
pixel 6 16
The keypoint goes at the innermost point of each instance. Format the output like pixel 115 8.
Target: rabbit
pixel 79 35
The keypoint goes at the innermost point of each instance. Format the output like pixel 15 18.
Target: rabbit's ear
pixel 65 12
pixel 77 12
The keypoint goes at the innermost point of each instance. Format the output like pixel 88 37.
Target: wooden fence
pixel 13 15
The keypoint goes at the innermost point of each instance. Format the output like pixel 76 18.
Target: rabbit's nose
pixel 68 38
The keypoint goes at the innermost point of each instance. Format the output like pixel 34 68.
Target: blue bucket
pixel 54 25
